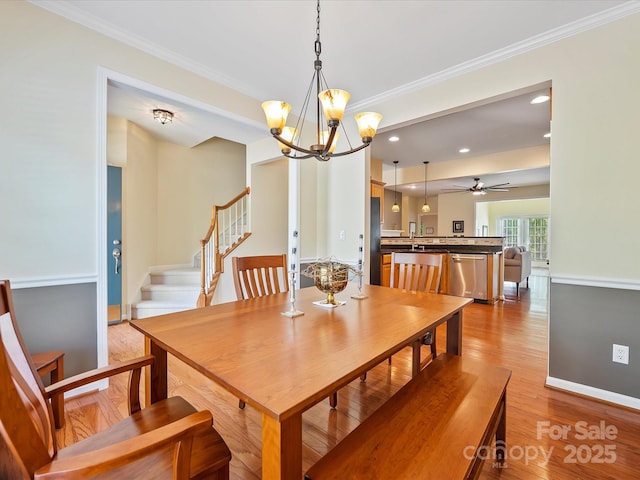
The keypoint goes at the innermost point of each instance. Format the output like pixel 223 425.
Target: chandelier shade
pixel 276 113
pixel 330 105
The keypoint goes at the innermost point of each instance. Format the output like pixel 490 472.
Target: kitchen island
pixel 472 266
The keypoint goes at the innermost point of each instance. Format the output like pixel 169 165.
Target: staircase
pixel 169 290
pixel 184 288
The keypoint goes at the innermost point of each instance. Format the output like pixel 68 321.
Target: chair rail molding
pixel 602 282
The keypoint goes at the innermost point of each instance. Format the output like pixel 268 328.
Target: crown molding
pixel 67 10
pixel 532 43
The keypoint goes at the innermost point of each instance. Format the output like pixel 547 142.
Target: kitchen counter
pixel 449 247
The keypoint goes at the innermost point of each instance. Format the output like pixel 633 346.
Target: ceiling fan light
pixel 478 192
pixel 334 102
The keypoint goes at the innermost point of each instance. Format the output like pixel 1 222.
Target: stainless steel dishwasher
pixel 468 275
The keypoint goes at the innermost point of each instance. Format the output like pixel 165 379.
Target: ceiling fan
pixel 479 188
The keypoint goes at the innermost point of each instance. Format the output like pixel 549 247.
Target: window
pixel 529 231
pixel 510 231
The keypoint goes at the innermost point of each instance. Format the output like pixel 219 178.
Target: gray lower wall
pixel 62 318
pixel 584 323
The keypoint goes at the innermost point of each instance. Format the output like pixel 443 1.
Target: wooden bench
pixel 431 428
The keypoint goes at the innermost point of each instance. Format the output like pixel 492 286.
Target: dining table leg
pixel 416 346
pixel 282 448
pixel 454 334
pixel 156 380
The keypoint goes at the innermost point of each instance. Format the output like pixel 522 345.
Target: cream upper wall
pixel 139 210
pixel 48 132
pixel 462 206
pixel 595 103
pixel 513 208
pixel 49 66
pixel 269 192
pixel 190 182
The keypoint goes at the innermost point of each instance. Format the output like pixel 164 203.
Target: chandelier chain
pixel 318 45
pixel 330 104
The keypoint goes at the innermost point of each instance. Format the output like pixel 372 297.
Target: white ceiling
pixel 373 49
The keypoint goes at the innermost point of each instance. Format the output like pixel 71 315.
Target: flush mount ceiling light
pixel 162 116
pixel 464 150
pixel 425 206
pixel 394 139
pixel 395 208
pixel 329 102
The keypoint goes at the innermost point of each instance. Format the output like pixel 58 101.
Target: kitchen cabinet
pixel 385 281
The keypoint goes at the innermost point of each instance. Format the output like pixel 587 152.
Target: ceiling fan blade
pixel 497 189
pixel 498 185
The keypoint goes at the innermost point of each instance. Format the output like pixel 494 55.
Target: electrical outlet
pixel 621 354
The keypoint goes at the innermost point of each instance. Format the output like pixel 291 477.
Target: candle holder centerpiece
pixel 330 277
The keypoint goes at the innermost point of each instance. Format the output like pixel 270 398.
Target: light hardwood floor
pixel 512 334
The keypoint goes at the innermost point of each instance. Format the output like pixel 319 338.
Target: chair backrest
pixel 417 272
pixel 26 426
pixel 260 275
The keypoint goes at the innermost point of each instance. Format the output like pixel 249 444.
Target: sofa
pixel 517 266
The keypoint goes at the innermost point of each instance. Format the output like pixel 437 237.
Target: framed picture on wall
pixel 458 226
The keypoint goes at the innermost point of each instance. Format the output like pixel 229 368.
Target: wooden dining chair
pixel 260 275
pixel 168 439
pixel 46 363
pixel 417 272
pixel 257 276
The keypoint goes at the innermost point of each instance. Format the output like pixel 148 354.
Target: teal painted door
pixel 114 244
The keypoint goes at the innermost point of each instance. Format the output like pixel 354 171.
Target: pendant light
pixel 425 206
pixel 396 207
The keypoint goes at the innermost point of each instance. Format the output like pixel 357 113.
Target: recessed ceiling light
pixel 540 99
pixel 547 135
pixel 413 187
pixel 394 139
pixel 464 150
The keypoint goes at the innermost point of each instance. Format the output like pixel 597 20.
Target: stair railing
pixel 226 232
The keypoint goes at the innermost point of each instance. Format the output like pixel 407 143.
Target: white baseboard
pixel 597 393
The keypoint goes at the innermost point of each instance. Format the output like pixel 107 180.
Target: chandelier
pixel 331 104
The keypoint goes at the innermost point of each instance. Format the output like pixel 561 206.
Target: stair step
pixel 151 308
pixel 178 276
pixel 183 294
pixel 171 290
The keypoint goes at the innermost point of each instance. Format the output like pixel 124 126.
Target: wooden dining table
pixel 281 365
